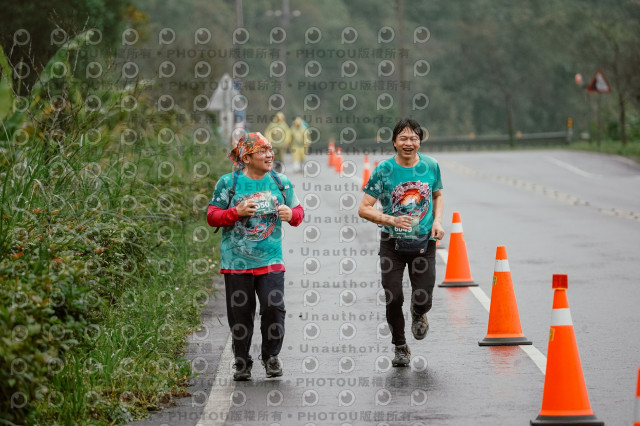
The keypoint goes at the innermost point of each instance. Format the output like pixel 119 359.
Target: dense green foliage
pixel 33 31
pixel 495 66
pixel 104 259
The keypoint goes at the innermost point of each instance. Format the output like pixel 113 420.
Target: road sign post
pixel 599 85
pixel 223 103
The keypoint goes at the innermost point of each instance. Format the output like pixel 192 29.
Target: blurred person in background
pixel 279 134
pixel 300 141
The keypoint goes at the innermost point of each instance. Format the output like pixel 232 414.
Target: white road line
pixel 534 353
pixel 538 357
pixel 482 297
pixel 220 396
pixel 570 167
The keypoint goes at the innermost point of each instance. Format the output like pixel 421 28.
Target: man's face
pixel 407 144
pixel 259 162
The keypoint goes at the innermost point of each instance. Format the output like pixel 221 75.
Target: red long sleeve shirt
pixel 221 217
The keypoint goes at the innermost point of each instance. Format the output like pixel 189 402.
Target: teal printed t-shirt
pixel 252 242
pixel 406 190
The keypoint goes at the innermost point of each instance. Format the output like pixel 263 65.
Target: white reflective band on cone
pixel 561 317
pixel 502 265
pixel 456 228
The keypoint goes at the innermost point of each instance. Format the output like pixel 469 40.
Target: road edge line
pixel 220 396
pixel 534 353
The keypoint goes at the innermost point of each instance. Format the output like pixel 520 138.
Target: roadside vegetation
pixel 630 150
pixel 105 255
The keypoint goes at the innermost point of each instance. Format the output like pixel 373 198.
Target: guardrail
pixel 459 143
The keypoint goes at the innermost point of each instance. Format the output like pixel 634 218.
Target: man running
pixel 251 204
pixel 409 188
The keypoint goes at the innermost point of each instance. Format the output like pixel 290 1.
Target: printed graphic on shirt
pixel 259 226
pixel 410 199
pixel 406 191
pixel 253 242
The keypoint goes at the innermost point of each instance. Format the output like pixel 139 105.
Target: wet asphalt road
pixel 554 211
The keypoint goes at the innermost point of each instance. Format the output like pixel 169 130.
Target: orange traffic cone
pixel 367 171
pixel 337 162
pixel 504 321
pixel 332 151
pixel 457 273
pixel 636 420
pixel 564 399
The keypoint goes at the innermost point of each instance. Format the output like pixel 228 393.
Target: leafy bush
pixel 99 265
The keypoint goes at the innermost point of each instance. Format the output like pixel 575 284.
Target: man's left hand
pixel 437 231
pixel 285 213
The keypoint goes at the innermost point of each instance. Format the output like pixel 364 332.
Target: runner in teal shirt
pixel 251 204
pixel 255 241
pixel 409 188
pixel 406 191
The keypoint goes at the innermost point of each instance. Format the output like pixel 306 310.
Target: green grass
pixel 132 359
pixel 631 150
pixel 106 275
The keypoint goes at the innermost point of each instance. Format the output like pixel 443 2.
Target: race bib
pixel 406 233
pixel 265 203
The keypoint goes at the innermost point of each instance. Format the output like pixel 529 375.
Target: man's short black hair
pixel 403 124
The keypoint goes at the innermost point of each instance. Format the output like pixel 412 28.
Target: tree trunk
pixel 402 108
pixel 622 119
pixel 507 101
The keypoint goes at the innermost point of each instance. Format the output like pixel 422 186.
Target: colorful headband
pixel 250 143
